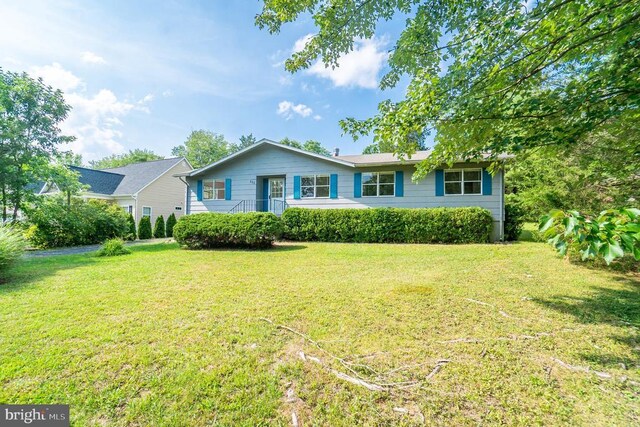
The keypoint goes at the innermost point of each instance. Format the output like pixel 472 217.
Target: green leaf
pixel 545 223
pixel 611 252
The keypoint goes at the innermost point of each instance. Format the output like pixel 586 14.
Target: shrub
pixel 12 245
pixel 56 224
pixel 171 222
pixel 389 225
pixel 212 230
pixel 113 247
pixel 144 228
pixel 131 234
pixel 513 219
pixel 158 228
pixel 611 235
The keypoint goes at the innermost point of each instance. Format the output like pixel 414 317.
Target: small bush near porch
pixel 448 334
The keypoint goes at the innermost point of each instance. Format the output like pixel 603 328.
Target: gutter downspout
pixel 187 205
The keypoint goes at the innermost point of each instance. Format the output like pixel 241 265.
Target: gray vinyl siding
pixel 246 171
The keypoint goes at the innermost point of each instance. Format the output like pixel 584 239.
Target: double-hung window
pixel 146 211
pixel 375 184
pixel 463 181
pixel 213 189
pixel 314 186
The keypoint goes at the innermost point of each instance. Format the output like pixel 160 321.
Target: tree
pixel 245 142
pixel 158 229
pixel 118 160
pixel 30 115
pixel 371 149
pixel 144 228
pixel 309 145
pixel 171 222
pixel 203 147
pixel 66 180
pixel 490 77
pixel 70 158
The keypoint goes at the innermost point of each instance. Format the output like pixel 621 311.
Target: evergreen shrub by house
pixel 144 228
pixel 171 222
pixel 212 230
pixel 158 229
pixel 55 223
pixel 513 219
pixel 389 225
pixel 131 234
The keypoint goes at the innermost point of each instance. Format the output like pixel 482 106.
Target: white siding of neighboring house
pixel 163 195
pixel 269 160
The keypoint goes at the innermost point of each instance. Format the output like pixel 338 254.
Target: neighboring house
pixel 269 176
pixel 142 189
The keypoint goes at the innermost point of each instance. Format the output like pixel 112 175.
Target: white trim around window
pixel 213 189
pixel 145 214
pixel 463 182
pixel 314 186
pixel 379 184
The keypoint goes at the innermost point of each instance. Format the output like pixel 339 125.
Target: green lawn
pixel 173 337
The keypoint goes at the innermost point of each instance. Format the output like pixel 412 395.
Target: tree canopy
pixel 30 137
pixel 494 77
pixel 309 145
pixel 203 147
pixel 136 155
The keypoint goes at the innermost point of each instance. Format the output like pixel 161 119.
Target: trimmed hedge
pixel 158 228
pixel 171 222
pixel 389 225
pixel 213 230
pixel 144 228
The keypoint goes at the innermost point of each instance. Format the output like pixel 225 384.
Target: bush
pixel 131 234
pixel 171 222
pixel 113 247
pixel 212 230
pixel 158 229
pixel 56 224
pixel 513 219
pixel 144 228
pixel 12 245
pixel 389 225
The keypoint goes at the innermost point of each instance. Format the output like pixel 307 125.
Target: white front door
pixel 276 195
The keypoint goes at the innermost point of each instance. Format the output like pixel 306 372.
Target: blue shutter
pixel 399 184
pixel 265 195
pixel 199 190
pixel 227 189
pixel 486 182
pixel 357 184
pixel 333 186
pixel 296 187
pixel 439 182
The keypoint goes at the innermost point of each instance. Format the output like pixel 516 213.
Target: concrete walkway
pixel 86 249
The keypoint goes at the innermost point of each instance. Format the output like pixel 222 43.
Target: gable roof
pixel 136 176
pixel 99 182
pixel 262 143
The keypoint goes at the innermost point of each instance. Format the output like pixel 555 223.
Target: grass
pixel 173 337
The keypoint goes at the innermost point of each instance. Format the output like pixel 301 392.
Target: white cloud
pixel 93 120
pixel 57 77
pixel 92 58
pixel 360 67
pixel 301 43
pixel 288 109
pixel 317 117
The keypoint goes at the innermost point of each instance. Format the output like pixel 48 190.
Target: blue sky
pixel 142 74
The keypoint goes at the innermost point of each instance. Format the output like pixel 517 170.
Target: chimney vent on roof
pixel 336 152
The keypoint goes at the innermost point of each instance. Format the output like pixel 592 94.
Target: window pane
pixel 219 183
pixel 322 180
pixel 387 178
pixel 472 187
pixel 220 194
pixel 453 188
pixel 307 191
pixel 386 189
pixel 472 175
pixel 322 191
pixel 146 211
pixel 369 178
pixel 453 176
pixel 307 181
pixel 369 190
pixel 207 192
